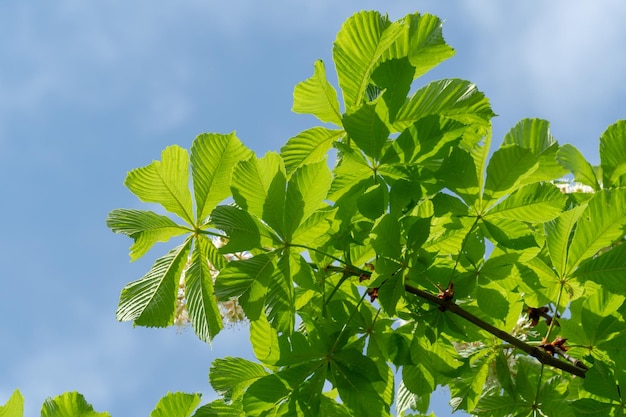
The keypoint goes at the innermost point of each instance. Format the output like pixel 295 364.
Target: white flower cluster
pixel 231 311
pixel 569 187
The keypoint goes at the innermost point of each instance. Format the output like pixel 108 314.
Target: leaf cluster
pixel 409 261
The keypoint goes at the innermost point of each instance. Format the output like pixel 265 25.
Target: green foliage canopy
pixel 420 259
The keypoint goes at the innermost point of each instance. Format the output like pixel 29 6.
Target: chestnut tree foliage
pixel 426 256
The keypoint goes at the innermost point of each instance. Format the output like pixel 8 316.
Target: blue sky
pixel 91 90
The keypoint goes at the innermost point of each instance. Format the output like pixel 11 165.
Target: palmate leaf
pixel 246 280
pixel 243 230
pixel 145 227
pixel 150 301
pixel 601 223
pixel 613 155
pixel 69 404
pixel 361 43
pixel 204 314
pixel 176 404
pixel 14 407
pixel 309 146
pixel 317 96
pixel 213 157
pixel 230 377
pixel 280 298
pixel 535 203
pixel 165 182
pixel 259 186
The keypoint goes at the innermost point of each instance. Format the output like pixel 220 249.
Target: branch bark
pixel 535 351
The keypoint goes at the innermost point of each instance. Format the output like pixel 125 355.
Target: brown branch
pixel 540 354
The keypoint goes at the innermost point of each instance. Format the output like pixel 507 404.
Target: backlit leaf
pixel 145 227
pixel 317 97
pixel 613 155
pixel 165 182
pixel 69 404
pixel 230 377
pixel 367 130
pixel 204 314
pixel 150 301
pixel 176 404
pixel 213 157
pixel 573 160
pixel 14 407
pixel 309 146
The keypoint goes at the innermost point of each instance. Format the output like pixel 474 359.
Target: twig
pixel 535 351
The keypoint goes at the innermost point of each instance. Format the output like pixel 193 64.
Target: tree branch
pixel 540 354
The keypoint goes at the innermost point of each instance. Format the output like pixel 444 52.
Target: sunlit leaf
pixel 165 182
pixel 601 223
pixel 455 99
pixel 150 301
pixel 535 203
pixel 69 404
pixel 607 269
pixel 317 97
pixel 14 407
pixel 145 227
pixel 213 157
pixel 243 231
pixel 219 408
pixel 176 404
pixel 367 130
pixel 309 146
pixel 361 44
pixel 246 280
pixel 508 169
pixel 259 186
pixel 204 314
pixel 573 160
pixel 613 154
pixel 395 77
pixel 230 377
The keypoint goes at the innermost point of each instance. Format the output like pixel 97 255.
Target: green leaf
pixel 466 392
pixel 558 237
pixel 230 377
pixel 213 157
pixel 534 134
pixel 259 186
pixel 204 314
pixel 280 299
pixel 145 227
pixel 386 237
pixel 309 146
pixel 264 341
pixel 454 99
pixel 14 407
pixel 613 155
pixel 587 407
pixel 535 203
pixel 508 168
pixel 307 189
pixel 373 203
pixel 426 47
pixel 361 44
pixel 600 224
pixel 317 97
pixel 246 280
pixel 367 130
pixel 165 182
pixel 459 173
pixel 150 301
pixel 176 404
pixel 607 269
pixel 354 377
pixel 600 381
pixel 69 404
pixel 573 160
pixel 395 77
pixel 243 230
pixel 219 408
